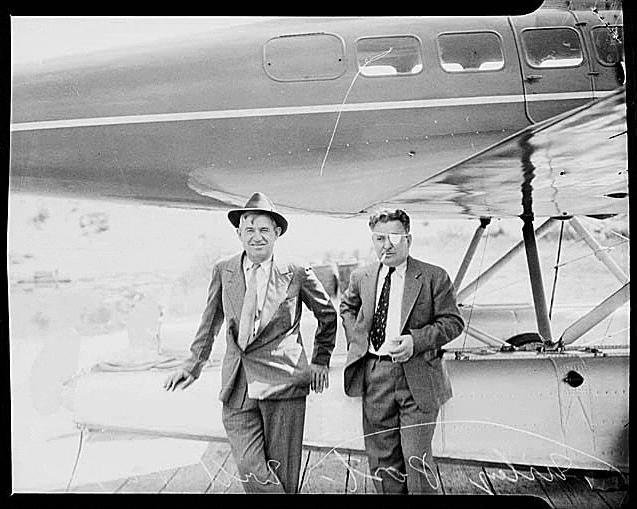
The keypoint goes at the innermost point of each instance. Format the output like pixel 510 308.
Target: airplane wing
pixel 183 124
pixel 572 164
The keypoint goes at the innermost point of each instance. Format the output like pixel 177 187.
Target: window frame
pixel 468 32
pixel 419 46
pixel 558 27
pixel 594 46
pixel 305 34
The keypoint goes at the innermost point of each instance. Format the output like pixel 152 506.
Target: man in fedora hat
pixel 265 376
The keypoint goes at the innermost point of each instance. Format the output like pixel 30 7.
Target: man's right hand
pixel 180 378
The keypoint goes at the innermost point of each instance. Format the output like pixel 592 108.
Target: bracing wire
pixel 475 293
pixel 592 253
pixel 557 266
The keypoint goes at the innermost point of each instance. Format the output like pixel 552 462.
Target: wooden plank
pixel 213 460
pixel 223 470
pixel 572 492
pixel 99 487
pixel 510 480
pixel 614 499
pixel 369 483
pixel 207 476
pixel 459 479
pixel 326 472
pixel 189 479
pixel 305 461
pixel 612 488
pixel 149 483
pixel 358 477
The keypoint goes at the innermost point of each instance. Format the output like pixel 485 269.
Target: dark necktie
pixel 377 333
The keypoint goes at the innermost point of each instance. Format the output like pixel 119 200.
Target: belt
pixel 439 353
pixel 379 357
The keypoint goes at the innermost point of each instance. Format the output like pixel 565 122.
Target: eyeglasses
pixel 394 238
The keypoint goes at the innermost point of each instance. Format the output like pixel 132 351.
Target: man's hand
pixel 402 348
pixel 180 378
pixel 319 377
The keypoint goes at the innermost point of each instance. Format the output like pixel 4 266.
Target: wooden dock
pixel 345 472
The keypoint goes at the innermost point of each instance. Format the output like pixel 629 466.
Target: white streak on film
pixel 340 110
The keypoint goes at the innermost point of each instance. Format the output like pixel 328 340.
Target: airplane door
pixel 553 62
pixel 604 38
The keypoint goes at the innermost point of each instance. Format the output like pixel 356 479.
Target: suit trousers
pixel 266 439
pixel 398 433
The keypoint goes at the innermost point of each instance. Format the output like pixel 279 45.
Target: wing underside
pixel 573 164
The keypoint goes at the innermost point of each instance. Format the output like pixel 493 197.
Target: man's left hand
pixel 402 348
pixel 319 377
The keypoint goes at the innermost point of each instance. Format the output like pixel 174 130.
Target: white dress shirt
pixel 392 329
pixel 263 277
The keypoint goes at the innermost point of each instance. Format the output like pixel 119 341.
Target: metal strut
pixel 537 285
pixel 471 250
pixel 599 251
pixel 609 305
pixel 543 229
pixel 530 245
pixel 605 308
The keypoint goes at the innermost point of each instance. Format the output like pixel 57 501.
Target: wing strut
pixel 487 339
pixel 471 250
pixel 471 288
pixel 609 305
pixel 581 326
pixel 537 285
pixel 599 251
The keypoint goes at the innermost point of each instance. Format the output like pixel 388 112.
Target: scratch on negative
pixel 340 111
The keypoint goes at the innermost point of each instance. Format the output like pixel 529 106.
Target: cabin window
pixel 471 51
pixel 552 47
pixel 389 56
pixel 609 45
pixel 301 57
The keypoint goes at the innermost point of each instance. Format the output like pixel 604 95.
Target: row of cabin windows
pixel 286 58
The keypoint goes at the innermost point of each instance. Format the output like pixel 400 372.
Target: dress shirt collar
pixel 400 270
pixel 247 264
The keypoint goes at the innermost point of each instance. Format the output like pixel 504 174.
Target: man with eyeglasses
pixel 397 316
pixel 265 376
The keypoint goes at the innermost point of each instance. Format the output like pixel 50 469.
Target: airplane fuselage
pixel 324 115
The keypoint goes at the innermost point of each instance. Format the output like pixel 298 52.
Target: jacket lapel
pixel 368 292
pixel 236 285
pixel 276 293
pixel 413 285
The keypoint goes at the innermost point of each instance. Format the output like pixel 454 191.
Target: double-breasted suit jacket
pixel 429 313
pixel 275 362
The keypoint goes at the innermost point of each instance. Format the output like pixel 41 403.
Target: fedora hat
pixel 258 202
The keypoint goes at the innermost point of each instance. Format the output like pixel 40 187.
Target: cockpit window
pixel 552 47
pixel 389 56
pixel 472 51
pixel 609 44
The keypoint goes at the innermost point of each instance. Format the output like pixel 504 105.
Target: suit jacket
pixel 275 362
pixel 429 313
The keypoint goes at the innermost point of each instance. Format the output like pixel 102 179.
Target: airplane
pixel 478 117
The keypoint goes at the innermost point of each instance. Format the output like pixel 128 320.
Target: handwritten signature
pixel 271 464
pixel 485 486
pixel 416 463
pixel 558 465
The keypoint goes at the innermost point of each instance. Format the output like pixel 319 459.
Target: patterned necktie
pixel 249 309
pixel 377 333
